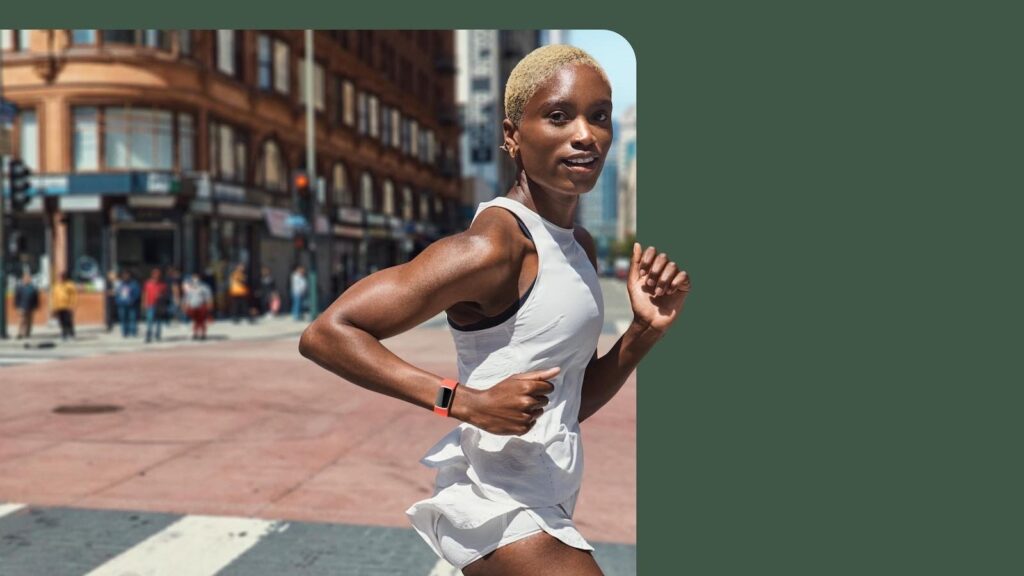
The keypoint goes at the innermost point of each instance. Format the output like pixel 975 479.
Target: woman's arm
pixel 605 375
pixel 471 266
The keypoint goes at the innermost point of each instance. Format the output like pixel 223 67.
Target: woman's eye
pixel 558 117
pixel 601 117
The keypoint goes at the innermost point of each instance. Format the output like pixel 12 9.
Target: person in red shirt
pixel 154 302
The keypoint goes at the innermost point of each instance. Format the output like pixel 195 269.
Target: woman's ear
pixel 510 144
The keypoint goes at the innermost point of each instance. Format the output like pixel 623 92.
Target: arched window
pixel 407 206
pixel 366 192
pixel 389 197
pixel 339 184
pixel 271 172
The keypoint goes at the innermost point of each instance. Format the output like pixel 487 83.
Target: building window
pixel 86 139
pixel 83 37
pixel 414 136
pixel 28 139
pixel 264 62
pixel 158 39
pixel 424 206
pixel 363 121
pixel 139 139
pixel 431 145
pixel 319 88
pixel 348 90
pixel 271 172
pixel 227 152
pixel 185 42
pixel 14 40
pixel 438 207
pixel 389 197
pixel 339 186
pixel 186 142
pixel 366 192
pixel 396 127
pixel 131 139
pixel 407 205
pixel 282 67
pixel 405 135
pixel 481 84
pixel 385 125
pixel 229 52
pixel 374 116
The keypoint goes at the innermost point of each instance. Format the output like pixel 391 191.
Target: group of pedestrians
pixel 163 298
pixel 63 301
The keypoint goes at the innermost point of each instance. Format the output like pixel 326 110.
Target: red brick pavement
pixel 253 429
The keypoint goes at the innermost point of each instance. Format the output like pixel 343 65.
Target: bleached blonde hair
pixel 535 69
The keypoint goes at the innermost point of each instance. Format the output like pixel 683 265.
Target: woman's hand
pixel 657 288
pixel 510 407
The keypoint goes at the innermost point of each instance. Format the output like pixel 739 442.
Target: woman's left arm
pixel 657 290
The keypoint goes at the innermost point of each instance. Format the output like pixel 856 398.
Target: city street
pixel 238 456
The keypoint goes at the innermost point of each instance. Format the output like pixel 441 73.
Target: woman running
pixel 521 293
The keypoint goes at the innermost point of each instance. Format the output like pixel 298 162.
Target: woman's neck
pixel 558 209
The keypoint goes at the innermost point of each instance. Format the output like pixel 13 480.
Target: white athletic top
pixel 557 325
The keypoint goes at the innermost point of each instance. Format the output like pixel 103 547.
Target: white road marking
pixel 443 568
pixel 192 546
pixel 6 509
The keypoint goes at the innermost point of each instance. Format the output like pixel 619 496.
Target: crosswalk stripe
pixel 193 546
pixel 443 568
pixel 6 509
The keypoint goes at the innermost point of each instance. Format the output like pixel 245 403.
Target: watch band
pixel 445 394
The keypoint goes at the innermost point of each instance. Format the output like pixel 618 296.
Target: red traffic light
pixel 301 182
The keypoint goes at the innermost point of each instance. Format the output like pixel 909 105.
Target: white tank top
pixel 557 325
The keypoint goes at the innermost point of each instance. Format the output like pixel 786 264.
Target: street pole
pixel 3 226
pixel 314 307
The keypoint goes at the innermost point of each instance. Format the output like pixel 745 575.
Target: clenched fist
pixel 510 406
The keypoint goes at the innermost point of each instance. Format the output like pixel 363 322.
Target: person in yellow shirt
pixel 238 290
pixel 63 301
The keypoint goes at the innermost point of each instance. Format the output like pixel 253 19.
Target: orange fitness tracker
pixel 445 394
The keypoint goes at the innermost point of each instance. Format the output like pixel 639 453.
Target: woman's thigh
pixel 539 554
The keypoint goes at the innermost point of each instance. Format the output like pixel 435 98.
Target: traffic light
pixel 17 176
pixel 303 193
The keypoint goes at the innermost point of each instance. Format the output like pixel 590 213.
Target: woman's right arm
pixel 470 266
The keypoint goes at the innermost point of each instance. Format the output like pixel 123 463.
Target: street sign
pixel 8 111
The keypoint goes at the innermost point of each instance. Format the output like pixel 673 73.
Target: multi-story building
pixel 486 58
pixel 626 160
pixel 177 148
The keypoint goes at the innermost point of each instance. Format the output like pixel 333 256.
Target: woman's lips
pixel 581 166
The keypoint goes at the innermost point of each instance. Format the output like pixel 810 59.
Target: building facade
pixel 486 58
pixel 178 147
pixel 626 160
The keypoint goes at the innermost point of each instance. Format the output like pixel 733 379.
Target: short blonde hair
pixel 535 69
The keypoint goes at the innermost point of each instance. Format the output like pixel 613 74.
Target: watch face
pixel 444 397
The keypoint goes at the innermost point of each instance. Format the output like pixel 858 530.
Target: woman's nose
pixel 584 135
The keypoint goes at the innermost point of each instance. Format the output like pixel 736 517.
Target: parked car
pixel 621 267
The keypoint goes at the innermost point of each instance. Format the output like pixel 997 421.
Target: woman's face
pixel 566 130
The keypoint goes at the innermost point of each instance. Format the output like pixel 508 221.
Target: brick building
pixel 177 147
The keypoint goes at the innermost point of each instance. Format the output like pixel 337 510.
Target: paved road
pixel 242 435
pixel 41 541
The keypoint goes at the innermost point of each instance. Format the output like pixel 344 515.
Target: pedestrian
pixel 155 303
pixel 110 299
pixel 197 301
pixel 26 300
pixel 175 311
pixel 525 309
pixel 63 301
pixel 127 299
pixel 268 291
pixel 299 287
pixel 238 291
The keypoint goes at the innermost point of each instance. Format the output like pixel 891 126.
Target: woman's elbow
pixel 311 341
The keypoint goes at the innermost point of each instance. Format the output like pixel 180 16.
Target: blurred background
pixel 157 182
pixel 181 148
